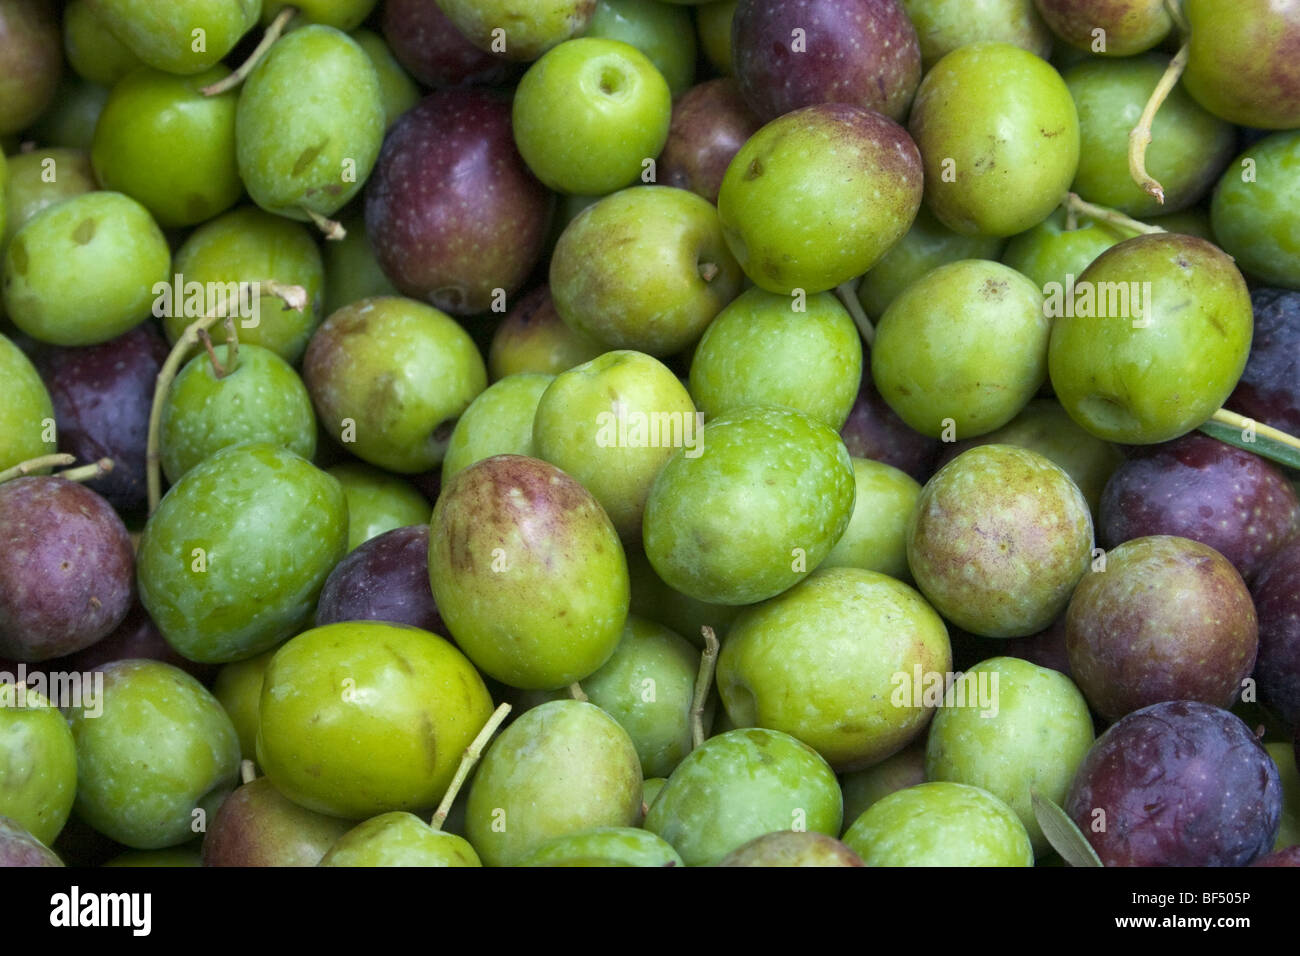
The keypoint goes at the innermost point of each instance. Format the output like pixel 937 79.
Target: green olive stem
pixel 1233 420
pixel 217 368
pixel 1111 217
pixel 294 297
pixel 577 693
pixel 36 464
pixel 89 472
pixel 1140 136
pixel 268 39
pixel 703 684
pixel 332 230
pixel 472 754
pixel 1175 8
pixel 232 345
pixel 247 771
pixel 848 293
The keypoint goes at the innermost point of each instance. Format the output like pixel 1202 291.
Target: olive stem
pixel 848 293
pixel 89 472
pixel 709 271
pixel 268 39
pixel 1233 420
pixel 1175 8
pixel 35 464
pixel 295 297
pixel 703 684
pixel 217 369
pixel 1112 217
pixel 577 693
pixel 232 345
pixel 1140 136
pixel 472 754
pixel 332 230
pixel 247 771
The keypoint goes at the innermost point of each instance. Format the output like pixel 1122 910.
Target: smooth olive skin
pixel 320 160
pixel 1142 379
pixel 397 89
pixel 93 52
pixel 1033 737
pixel 792 848
pixel 876 538
pixel 1168 619
pixel 38 763
pixel 589 114
pixel 39 179
pixel 1000 93
pixel 498 422
pixel 399 838
pixel 535 25
pixel 821 662
pixel 534 339
pixel 1049 252
pixel 1250 210
pixel 164 36
pixel 630 271
pixel 562 767
pixel 1243 64
pixel 963 349
pixel 377 502
pixel 161 751
pixel 527 572
pixel 258 826
pixel 740 785
pixel 238 688
pixel 25 409
pixel 577 428
pixel 621 846
pixel 66 568
pixel 1044 427
pixel 759 350
pixel 927 245
pixel 363 717
pixel 663 32
pixel 1126 28
pixel 817 196
pixel 367 353
pixel 31 61
pixel 944 25
pixel 940 824
pixel 110 243
pixel 796 479
pixel 234 558
pixel 999 539
pixel 146 113
pixel 647 686
pixel 1189 146
pixel 261 399
pixel 862 52
pixel 20 848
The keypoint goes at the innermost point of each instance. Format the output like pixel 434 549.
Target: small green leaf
pixel 1061 832
pixel 1261 445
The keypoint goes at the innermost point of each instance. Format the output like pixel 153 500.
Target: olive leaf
pixel 1062 833
pixel 1259 443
